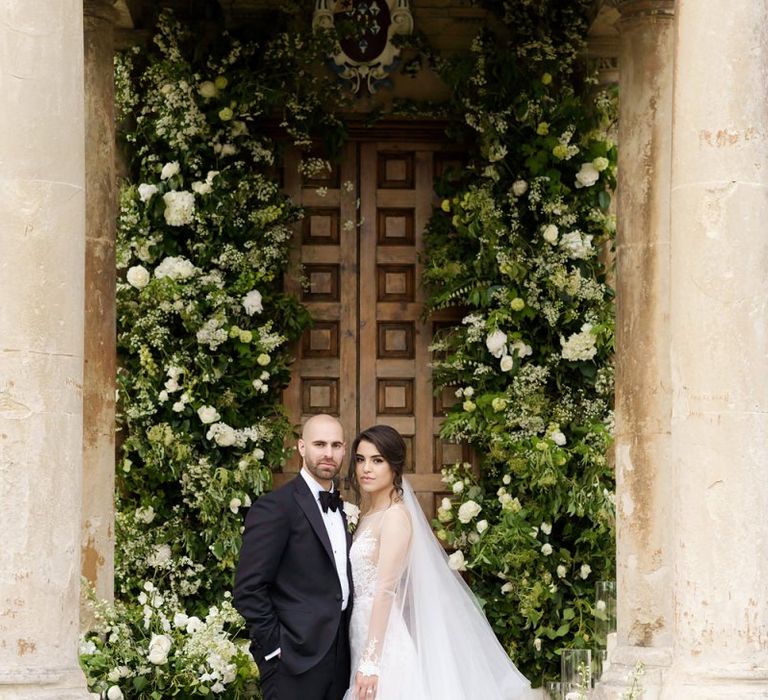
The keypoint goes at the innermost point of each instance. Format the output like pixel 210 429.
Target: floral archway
pixel 520 244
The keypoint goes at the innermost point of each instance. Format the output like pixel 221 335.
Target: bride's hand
pixel 366 686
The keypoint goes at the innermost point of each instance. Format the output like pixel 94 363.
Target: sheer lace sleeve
pixel 395 537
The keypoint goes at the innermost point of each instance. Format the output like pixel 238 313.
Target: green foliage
pixel 519 245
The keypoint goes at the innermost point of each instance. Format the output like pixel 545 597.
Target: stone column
pixel 42 249
pixel 719 351
pixel 99 372
pixel 643 384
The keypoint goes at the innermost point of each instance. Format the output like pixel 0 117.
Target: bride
pixel 416 631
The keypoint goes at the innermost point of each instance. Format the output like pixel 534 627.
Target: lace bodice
pixel 379 556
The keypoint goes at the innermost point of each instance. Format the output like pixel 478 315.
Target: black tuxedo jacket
pixel 286 585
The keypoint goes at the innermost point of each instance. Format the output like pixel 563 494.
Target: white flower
pixel 145 515
pixel 496 343
pixel 252 302
pixel 506 363
pixel 456 561
pixel 149 586
pixel 585 570
pixel 551 233
pixel 506 479
pixel 199 187
pixel 207 89
pixel 546 549
pixel 522 349
pixel 87 647
pixel 537 644
pixel 352 512
pixel 159 647
pixel 161 554
pixel 138 276
pixel 446 504
pixel 179 208
pixel 519 188
pixel 481 526
pixel 473 538
pixel 177 268
pixel 577 246
pixel 507 587
pixel 469 392
pixel 169 170
pixel 146 191
pixel 468 510
pixel 546 528
pixel 458 487
pixel 114 693
pixel 234 505
pixel 142 598
pixel 194 624
pixel 222 434
pixel 600 163
pixel 558 438
pixel 208 414
pixel 180 620
pixel 587 175
pixel 580 346
pixel 561 571
pixel 600 605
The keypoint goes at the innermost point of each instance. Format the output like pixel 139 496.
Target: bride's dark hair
pixel 391 447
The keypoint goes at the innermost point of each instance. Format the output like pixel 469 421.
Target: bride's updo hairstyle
pixel 391 447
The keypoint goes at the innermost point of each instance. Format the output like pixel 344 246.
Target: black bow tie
pixel 330 499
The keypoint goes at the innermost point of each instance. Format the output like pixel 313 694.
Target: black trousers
pixel 328 680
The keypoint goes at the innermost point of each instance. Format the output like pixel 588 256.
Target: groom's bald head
pixel 322 447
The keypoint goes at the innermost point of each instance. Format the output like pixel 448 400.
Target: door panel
pixel 366 358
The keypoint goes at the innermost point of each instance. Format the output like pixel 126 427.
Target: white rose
pixel 252 302
pixel 138 276
pixel 507 363
pixel 482 526
pixel 519 188
pixel 142 598
pixel 468 510
pixel 352 512
pixel 473 538
pixel 445 504
pixel 507 479
pixel 194 624
pixel 496 343
pixel 179 208
pixel 469 392
pixel 146 191
pixel 587 175
pixel 558 438
pixel 207 89
pixel 222 434
pixel 234 505
pixel 600 163
pixel 546 549
pixel 546 528
pixel 159 647
pixel 208 414
pixel 585 570
pixel 456 561
pixel 145 515
pixel 522 349
pixel 561 571
pixel 537 644
pixel 180 620
pixel 114 693
pixel 551 233
pixel 169 170
pixel 458 487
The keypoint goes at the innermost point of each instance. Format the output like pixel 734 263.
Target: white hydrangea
pixel 576 245
pixel 177 268
pixel 558 438
pixel 580 346
pixel 179 208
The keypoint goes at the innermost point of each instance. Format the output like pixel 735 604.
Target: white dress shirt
pixel 334 524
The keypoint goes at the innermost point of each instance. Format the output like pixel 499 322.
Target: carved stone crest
pixel 366 55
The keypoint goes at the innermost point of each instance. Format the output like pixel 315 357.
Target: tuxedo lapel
pixel 306 502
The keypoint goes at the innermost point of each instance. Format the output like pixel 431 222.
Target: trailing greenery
pixel 204 327
pixel 519 246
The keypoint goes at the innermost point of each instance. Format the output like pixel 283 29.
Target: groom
pixel 293 581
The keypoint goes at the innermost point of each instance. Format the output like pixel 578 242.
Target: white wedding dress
pixel 415 624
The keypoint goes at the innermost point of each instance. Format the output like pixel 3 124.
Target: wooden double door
pixel 366 358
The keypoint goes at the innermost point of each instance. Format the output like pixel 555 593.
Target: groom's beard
pixel 325 468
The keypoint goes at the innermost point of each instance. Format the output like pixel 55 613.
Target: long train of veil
pixel 459 657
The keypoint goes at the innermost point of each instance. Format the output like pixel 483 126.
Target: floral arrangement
pixel 203 336
pixel 521 244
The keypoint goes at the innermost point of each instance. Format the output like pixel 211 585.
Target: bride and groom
pixel 380 617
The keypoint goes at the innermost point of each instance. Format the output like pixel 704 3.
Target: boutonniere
pixel 352 513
